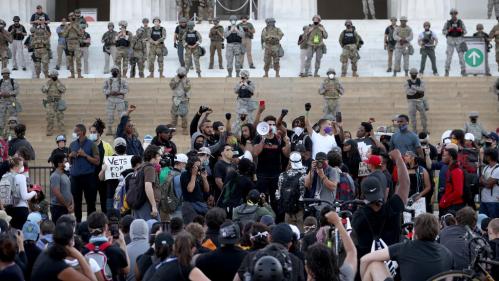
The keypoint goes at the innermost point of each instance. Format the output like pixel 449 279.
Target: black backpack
pixel 280 253
pixel 290 193
pixel 136 194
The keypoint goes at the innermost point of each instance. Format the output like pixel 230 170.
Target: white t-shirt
pixel 322 143
pixel 22 188
pixel 491 195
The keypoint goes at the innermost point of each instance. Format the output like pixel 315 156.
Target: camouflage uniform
pixel 216 43
pixel 138 55
pixel 494 34
pixel 403 35
pixel 40 41
pixel 349 41
pixel 249 31
pixel 157 43
pixel 192 41
pixel 123 39
pixel 205 10
pixel 234 36
pixel 5 39
pixel 455 31
pixel 178 42
pixel 415 90
pixel 368 5
pixel 315 36
pixel 493 4
pixel 54 91
pixel 73 32
pixel 271 37
pixel 181 87
pixel 109 41
pixel 332 90
pixel 184 8
pixel 482 34
pixel 115 90
pixel 9 88
pixel 245 90
pixel 147 30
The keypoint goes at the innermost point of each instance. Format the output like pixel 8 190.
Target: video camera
pixel 166 160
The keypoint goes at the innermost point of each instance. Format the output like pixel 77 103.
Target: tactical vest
pixel 417 95
pixel 83 44
pixel 156 34
pixel 40 38
pixel 244 92
pixel 216 37
pixel 348 38
pixel 316 36
pixel 72 34
pixel 333 93
pixel 427 37
pixel 455 28
pixel 191 38
pixel 233 37
pixel 15 35
pixel 53 91
pixel 181 32
pixel 404 32
pixel 122 42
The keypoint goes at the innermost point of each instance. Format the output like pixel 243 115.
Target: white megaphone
pixel 263 128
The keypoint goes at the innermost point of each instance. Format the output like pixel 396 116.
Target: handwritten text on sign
pixel 116 165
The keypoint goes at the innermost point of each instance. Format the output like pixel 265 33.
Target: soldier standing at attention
pixel 156 40
pixel 202 10
pixel 178 38
pixel 84 45
pixel 184 8
pixel 245 89
pixel 54 89
pixel 403 35
pixel 332 90
pixel 73 32
pixel 249 32
pixel 366 6
pixel 123 39
pixel 316 34
pixel 234 51
pixel 481 34
pixel 181 87
pixel 115 90
pixel 40 41
pixel 5 39
pixel 494 35
pixel 109 48
pixel 18 33
pixel 192 44
pixel 9 89
pixel 216 43
pixel 80 19
pixel 390 42
pixel 271 37
pixel 454 30
pixel 428 41
pixel 349 41
pixel 493 4
pixel 302 42
pixel 61 43
pixel 138 55
pixel 415 90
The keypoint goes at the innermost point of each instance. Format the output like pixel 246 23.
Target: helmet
pixel 60 138
pixel 316 17
pixel 269 20
pixel 110 24
pixel 413 71
pixel 144 20
pixel 453 11
pixel 245 73
pixel 182 20
pixel 216 20
pixel 71 14
pixel 123 23
pixel 191 24
pixel 16 18
pixel 348 22
pixel 77 11
pixel 53 73
pixel 331 70
pixel 156 19
pixel 403 18
pixel 268 268
pixel 5 70
pixel 115 67
pixel 393 19
pixel 426 23
pixel 479 26
pixel 233 17
pixel 181 71
pixel 2 22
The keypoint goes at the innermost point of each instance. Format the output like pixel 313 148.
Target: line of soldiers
pixel 206 9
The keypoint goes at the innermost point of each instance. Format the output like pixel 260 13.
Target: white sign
pixel 476 58
pixel 419 207
pixel 89 14
pixel 363 169
pixel 115 165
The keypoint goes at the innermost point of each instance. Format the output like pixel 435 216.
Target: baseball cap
pixel 253 195
pixel 37 187
pixel 119 141
pixel 31 231
pixel 204 150
pixel 267 220
pixel 35 217
pixel 282 234
pixel 163 238
pixel 217 125
pixel 493 136
pixel 371 188
pixel 162 129
pixel 4 216
pixel 182 158
pixel 374 160
pixel 147 138
pixel 229 233
pixel 469 136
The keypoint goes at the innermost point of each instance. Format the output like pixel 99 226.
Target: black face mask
pixel 54 78
pixel 115 74
pixel 488 144
pixel 316 23
pixel 181 76
pixel 414 76
pixel 198 146
pixel 243 117
pixel 120 149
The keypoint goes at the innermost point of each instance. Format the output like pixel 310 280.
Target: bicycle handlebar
pixel 334 204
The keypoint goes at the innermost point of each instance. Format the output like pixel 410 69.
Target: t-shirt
pixel 61 181
pixel 222 170
pixel 12 273
pixel 229 258
pixel 346 273
pixel 420 260
pixel 453 238
pixel 36 16
pixel 386 223
pixel 319 188
pixel 404 142
pixel 17 36
pixel 491 195
pixel 269 160
pixel 116 259
pixel 363 145
pixel 47 268
pixel 197 194
pixel 172 271
pixel 151 176
pixel 322 143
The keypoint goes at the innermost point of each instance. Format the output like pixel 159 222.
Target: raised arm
pixel 404 183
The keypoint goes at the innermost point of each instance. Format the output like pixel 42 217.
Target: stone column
pixel 136 10
pixel 22 8
pixel 287 9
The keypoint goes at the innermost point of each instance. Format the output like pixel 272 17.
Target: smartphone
pixel 284 112
pixel 262 103
pixel 308 106
pixel 338 117
pixel 115 232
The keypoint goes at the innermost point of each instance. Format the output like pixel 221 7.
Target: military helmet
pixel 182 20
pixel 403 18
pixel 123 23
pixel 110 24
pixel 426 23
pixel 77 11
pixel 53 73
pixel 16 18
pixel 453 11
pixel 2 22
pixel 331 70
pixel 393 19
pixel 316 17
pixel 233 17
pixel 182 71
pixel 5 70
pixel 305 27
pixel 156 19
pixel 348 22
pixel 245 73
pixel 269 20
pixel 413 71
pixel 479 26
pixel 216 20
pixel 115 67
pixel 191 24
pixel 144 20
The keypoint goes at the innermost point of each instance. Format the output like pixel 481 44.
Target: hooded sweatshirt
pixel 139 233
pixel 214 148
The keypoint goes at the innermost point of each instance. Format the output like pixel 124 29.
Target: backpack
pixel 120 202
pixel 290 193
pixel 97 253
pixel 345 189
pixel 9 195
pixel 246 213
pixel 280 253
pixel 226 198
pixel 170 198
pixel 136 194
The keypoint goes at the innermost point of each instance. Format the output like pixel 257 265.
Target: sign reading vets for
pixel 115 165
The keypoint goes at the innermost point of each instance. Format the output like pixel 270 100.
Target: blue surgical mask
pixel 206 162
pixel 274 129
pixel 92 137
pixel 328 130
pixel 403 128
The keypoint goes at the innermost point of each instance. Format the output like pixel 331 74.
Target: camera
pixel 166 160
pixel 202 169
pixel 320 164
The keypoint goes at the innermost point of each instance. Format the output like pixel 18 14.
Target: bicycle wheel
pixel 452 275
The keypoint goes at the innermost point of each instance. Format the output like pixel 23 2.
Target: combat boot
pixel 161 74
pixel 277 74
pixel 237 73
pixel 395 74
pixel 141 74
pixel 199 74
pixel 343 74
pixel 72 76
pixel 221 67
pixel 109 131
pixel 229 72
pixel 354 74
pixel 184 131
pixel 406 73
pixel 151 75
pixel 211 66
pixel 446 73
pixel 252 66
pixel 463 73
pixel 266 74
pixel 316 73
pixel 79 74
pixel 389 69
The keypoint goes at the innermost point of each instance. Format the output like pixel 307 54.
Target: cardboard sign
pixel 116 164
pixel 420 208
pixel 363 169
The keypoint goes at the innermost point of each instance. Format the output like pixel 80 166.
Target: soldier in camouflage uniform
pixel 415 93
pixel 177 39
pixel 302 42
pixel 403 35
pixel 245 90
pixel 349 41
pixel 315 36
pixel 249 33
pixel 184 8
pixel 109 41
pixel 40 42
pixel 494 35
pixel 80 19
pixel 368 5
pixel 332 90
pixel 147 30
pixel 115 90
pixel 205 10
pixel 455 30
pixel 5 39
pixel 54 89
pixel 73 32
pixel 493 4
pixel 234 36
pixel 123 39
pixel 482 34
pixel 192 44
pixel 138 55
pixel 157 44
pixel 181 87
pixel 428 41
pixel 271 37
pixel 9 90
pixel 216 43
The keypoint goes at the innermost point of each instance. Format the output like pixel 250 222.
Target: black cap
pixel 217 124
pixel 282 234
pixel 162 129
pixel 371 188
pixel 163 238
pixel 254 196
pixel 229 233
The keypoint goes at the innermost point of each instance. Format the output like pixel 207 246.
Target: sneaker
pixel 435 74
pixel 24 68
pixel 252 66
pixel 57 67
pixel 14 68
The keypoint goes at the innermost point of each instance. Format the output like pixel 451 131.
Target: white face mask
pixel 74 136
pixel 66 167
pixel 233 22
pixel 21 170
pixel 92 137
pixel 274 129
pixel 298 130
pixel 331 76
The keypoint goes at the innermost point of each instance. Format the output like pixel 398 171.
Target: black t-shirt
pixel 269 160
pixel 36 16
pixel 222 170
pixel 301 139
pixel 197 194
pixel 386 224
pixel 172 271
pixel 116 259
pixel 64 151
pixel 32 252
pixel 389 182
pixel 47 268
pixel 229 258
pixel 420 260
pixel 12 273
pixel 15 35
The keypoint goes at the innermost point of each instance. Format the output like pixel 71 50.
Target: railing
pixel 41 175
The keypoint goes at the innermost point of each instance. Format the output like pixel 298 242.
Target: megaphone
pixel 263 128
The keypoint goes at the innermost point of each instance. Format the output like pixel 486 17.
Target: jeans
pixel 491 209
pixel 180 53
pixel 57 211
pixel 83 185
pixel 268 185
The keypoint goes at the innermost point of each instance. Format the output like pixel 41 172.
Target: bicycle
pixel 407 228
